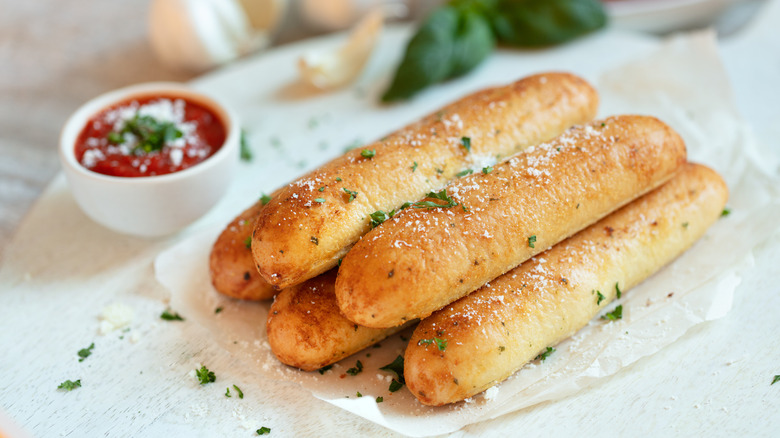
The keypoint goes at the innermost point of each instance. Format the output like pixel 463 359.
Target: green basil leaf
pixel 473 43
pixel 535 23
pixel 427 57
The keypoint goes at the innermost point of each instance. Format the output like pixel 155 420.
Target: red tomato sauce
pixel 202 134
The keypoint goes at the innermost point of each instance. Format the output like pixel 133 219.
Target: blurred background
pixel 57 54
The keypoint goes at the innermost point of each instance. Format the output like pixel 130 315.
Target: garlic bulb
pixel 197 35
pixel 332 69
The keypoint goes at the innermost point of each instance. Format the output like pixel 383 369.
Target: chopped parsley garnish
pixel 600 297
pixel 397 367
pixel 726 211
pixel 264 431
pixel 395 385
pixel 352 194
pixel 314 240
pixel 239 391
pixel 685 225
pixel 218 309
pixel 248 242
pixel 368 153
pixel 170 315
pixel 545 354
pixel 441 344
pixel 414 166
pixel 617 291
pixel 442 196
pixel 776 379
pixel 265 199
pixel 246 151
pixel 85 352
pixel 466 142
pixel 70 385
pixel 150 133
pixel 322 189
pixel 325 368
pixel 615 314
pixel 359 394
pixel 532 241
pixel 501 348
pixel 464 172
pixel 380 399
pixel 338 179
pixel 379 216
pixel 319 200
pixel 357 369
pixel 205 376
pixel 227 392
pixel 487 169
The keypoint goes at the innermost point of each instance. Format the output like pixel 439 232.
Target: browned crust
pixel 231 265
pixel 423 259
pixel 297 238
pixel 307 331
pixel 494 331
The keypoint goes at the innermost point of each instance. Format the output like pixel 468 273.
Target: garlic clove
pixel 333 69
pixel 197 35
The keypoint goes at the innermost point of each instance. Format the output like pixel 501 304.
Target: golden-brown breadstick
pixel 494 331
pixel 306 330
pixel 426 258
pixel 313 222
pixel 231 265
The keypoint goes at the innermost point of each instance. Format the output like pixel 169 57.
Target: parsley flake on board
pixel 776 379
pixel 246 151
pixel 248 242
pixel 368 153
pixel 532 241
pixel 205 376
pixel 599 298
pixel 325 368
pixel 264 431
pixel 359 394
pixel 441 344
pixel 227 392
pixel 170 315
pixel 397 367
pixel 615 314
pixel 726 211
pixel 239 391
pixel 380 399
pixel 85 352
pixel 466 143
pixel 357 369
pixel 487 169
pixel 414 166
pixel 464 173
pixel 617 290
pixel 319 200
pixel 545 354
pixel 70 385
pixel 265 199
pixel 352 194
pixel 218 309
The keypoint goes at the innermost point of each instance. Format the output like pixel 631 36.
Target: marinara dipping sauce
pixel 148 136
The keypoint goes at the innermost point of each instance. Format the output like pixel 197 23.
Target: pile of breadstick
pixel 503 223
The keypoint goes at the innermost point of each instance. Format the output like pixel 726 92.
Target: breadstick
pixel 231 265
pixel 494 331
pixel 313 222
pixel 306 330
pixel 426 258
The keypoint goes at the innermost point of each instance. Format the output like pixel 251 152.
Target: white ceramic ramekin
pixel 155 205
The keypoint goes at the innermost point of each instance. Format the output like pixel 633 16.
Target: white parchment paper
pixel 683 84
